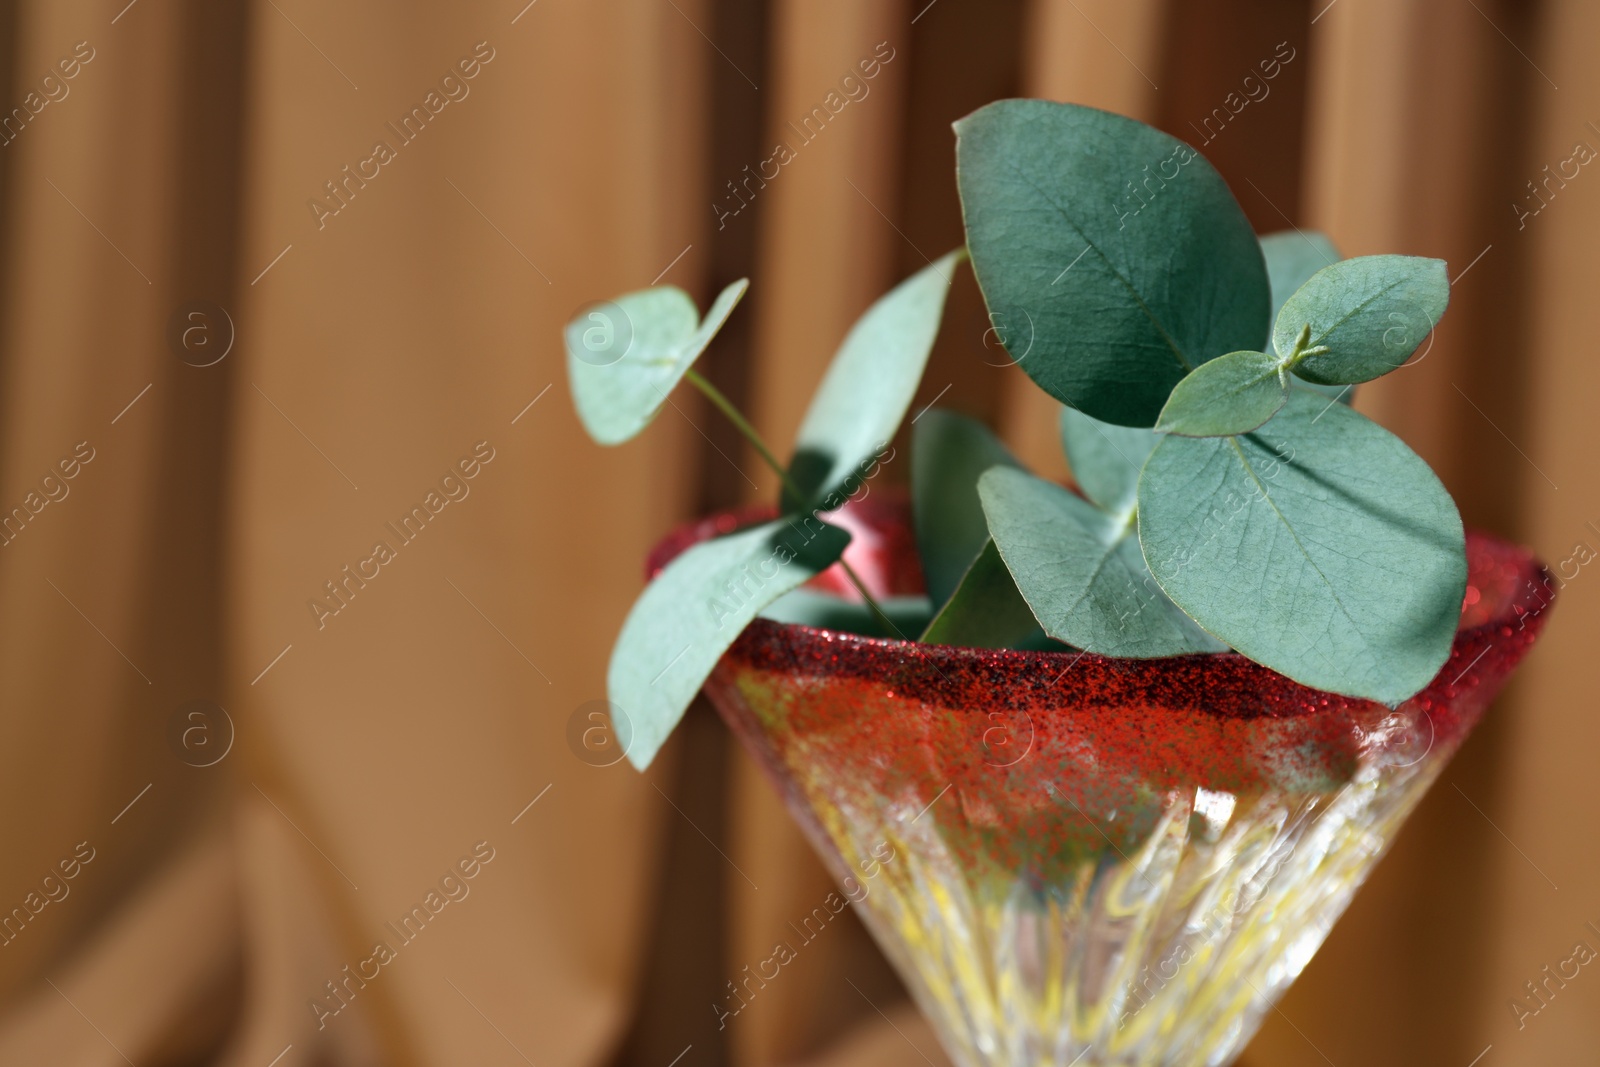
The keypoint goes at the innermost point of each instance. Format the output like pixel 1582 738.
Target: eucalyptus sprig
pixel 624 358
pixel 1285 525
pixel 1226 499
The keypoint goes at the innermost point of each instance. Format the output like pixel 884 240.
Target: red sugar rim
pixel 1503 610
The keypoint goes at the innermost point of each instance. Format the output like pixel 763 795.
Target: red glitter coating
pixel 1048 755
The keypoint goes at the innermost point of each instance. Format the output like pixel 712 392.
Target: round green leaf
pixel 948 453
pixel 1370 312
pixel 1080 571
pixel 1232 394
pixel 1320 546
pixel 1113 258
pixel 1344 394
pixel 694 609
pixel 625 356
pixel 868 387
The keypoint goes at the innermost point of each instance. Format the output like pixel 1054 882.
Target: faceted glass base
pixel 1075 860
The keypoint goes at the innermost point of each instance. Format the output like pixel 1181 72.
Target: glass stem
pixel 740 423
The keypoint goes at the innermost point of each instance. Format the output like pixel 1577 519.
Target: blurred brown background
pixel 241 863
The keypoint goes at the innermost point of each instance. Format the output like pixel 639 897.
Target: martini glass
pixel 1078 860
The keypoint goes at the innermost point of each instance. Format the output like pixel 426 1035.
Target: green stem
pixel 724 405
pixel 1303 349
pixel 740 423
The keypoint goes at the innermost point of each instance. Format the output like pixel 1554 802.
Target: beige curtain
pixel 262 744
pixel 828 248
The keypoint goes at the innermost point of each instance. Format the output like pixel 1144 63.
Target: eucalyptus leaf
pixel 1113 258
pixel 1106 459
pixel 624 357
pixel 1232 394
pixel 1080 570
pixel 868 387
pixel 1344 394
pixel 1320 546
pixel 948 453
pixel 693 610
pixel 1293 256
pixel 1370 312
pixel 986 610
